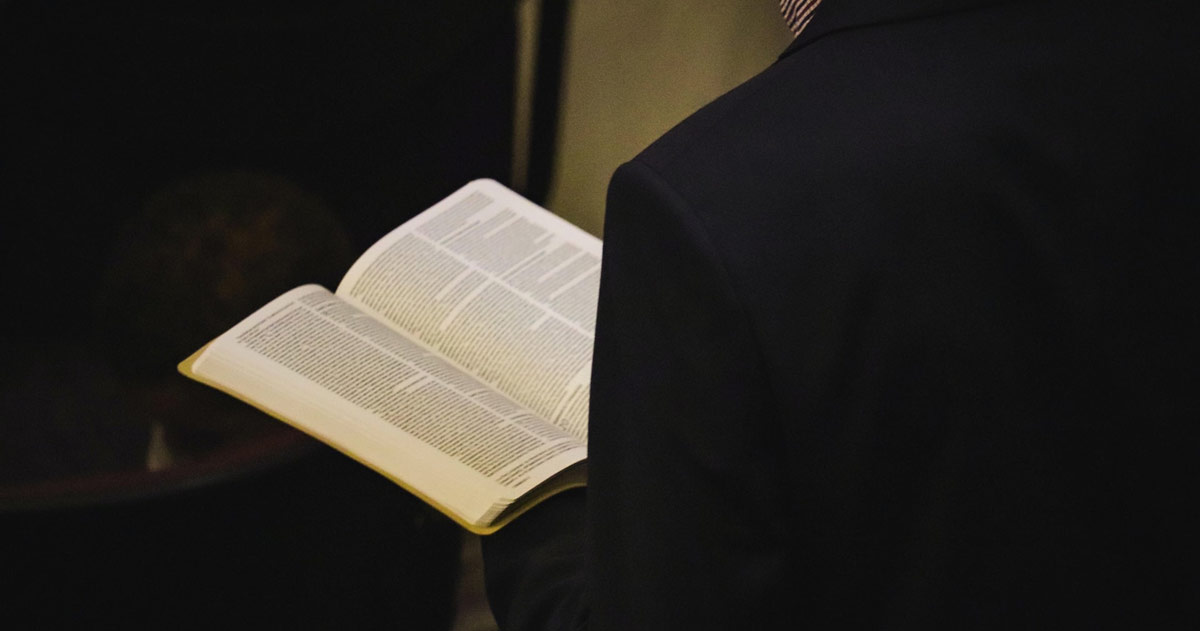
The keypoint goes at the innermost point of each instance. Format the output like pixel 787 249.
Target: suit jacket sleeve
pixel 682 526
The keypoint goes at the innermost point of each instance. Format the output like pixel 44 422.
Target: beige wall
pixel 633 69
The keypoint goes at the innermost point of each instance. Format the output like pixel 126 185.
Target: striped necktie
pixel 797 13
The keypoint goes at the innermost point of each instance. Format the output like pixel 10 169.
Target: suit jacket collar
pixel 840 15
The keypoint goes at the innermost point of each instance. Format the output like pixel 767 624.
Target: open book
pixel 454 357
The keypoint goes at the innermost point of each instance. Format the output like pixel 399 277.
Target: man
pixel 890 336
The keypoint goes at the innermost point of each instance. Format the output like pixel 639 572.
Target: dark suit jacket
pixel 894 334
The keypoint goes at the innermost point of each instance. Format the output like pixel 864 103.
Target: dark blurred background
pixel 168 167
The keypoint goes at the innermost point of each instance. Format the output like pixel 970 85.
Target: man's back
pixel 900 322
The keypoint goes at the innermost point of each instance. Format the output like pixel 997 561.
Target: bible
pixel 454 357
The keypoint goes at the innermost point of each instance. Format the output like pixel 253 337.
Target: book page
pixel 500 286
pixel 322 364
